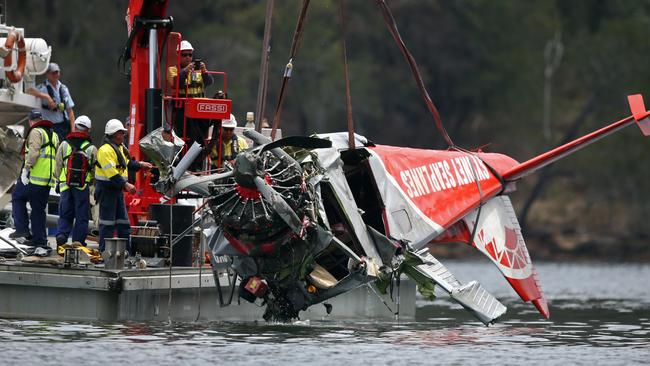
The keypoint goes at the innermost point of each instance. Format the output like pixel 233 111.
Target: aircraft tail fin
pixel 498 236
pixel 542 306
pixel 639 113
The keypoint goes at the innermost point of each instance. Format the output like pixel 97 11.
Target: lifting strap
pixel 295 44
pixel 348 97
pixel 260 109
pixel 392 28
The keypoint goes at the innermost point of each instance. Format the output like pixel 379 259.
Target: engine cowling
pixel 252 223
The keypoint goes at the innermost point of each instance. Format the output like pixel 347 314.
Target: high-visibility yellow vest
pixel 108 165
pixel 229 149
pixel 193 81
pixel 42 173
pixel 63 176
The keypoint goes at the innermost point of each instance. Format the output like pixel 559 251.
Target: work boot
pixel 42 251
pixel 30 243
pixel 27 242
pixel 16 235
pixel 60 240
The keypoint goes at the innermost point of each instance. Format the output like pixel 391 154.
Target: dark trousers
pixel 74 206
pixel 19 199
pixel 37 197
pixel 112 214
pixel 62 129
pixel 196 131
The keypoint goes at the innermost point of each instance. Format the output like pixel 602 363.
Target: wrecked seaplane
pixel 304 219
pixel 300 220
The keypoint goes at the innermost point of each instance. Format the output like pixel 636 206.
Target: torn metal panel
pixel 345 199
pixel 340 140
pixel 321 208
pixel 472 296
pixel 11 142
pixel 404 221
pixel 161 152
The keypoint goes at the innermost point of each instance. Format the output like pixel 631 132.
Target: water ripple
pixel 592 323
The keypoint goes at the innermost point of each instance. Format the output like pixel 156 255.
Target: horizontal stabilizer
pixel 640 113
pixel 472 296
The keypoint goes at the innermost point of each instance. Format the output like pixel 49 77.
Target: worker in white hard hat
pixel 194 77
pixel 231 144
pixel 36 179
pixel 75 161
pixel 111 178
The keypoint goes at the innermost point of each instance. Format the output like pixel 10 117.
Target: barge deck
pixel 95 294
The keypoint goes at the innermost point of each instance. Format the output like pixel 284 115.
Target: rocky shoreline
pixel 563 247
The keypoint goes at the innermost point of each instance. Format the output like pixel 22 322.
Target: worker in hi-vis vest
pixel 36 178
pixel 191 76
pixel 75 161
pixel 111 178
pixel 231 144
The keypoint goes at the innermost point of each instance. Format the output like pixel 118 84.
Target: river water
pixel 600 314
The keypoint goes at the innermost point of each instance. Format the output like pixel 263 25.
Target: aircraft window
pixel 402 220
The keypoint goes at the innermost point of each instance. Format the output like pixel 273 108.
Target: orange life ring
pixel 15 75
